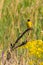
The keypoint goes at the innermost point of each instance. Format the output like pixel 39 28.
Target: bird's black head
pixel 28 20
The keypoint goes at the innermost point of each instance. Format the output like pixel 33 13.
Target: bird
pixel 29 23
pixel 29 27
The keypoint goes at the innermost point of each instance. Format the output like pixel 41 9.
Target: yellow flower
pixel 31 62
pixel 39 42
pixel 41 63
pixel 37 53
pixel 40 49
pixel 35 47
pixel 27 45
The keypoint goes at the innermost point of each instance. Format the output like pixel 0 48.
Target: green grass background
pixel 14 15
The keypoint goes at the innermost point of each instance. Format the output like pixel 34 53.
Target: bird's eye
pixel 28 20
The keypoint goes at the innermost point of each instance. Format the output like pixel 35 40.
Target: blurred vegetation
pixel 14 14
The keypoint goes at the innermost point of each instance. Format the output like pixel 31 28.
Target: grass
pixel 14 15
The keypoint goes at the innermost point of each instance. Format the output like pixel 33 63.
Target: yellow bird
pixel 29 23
